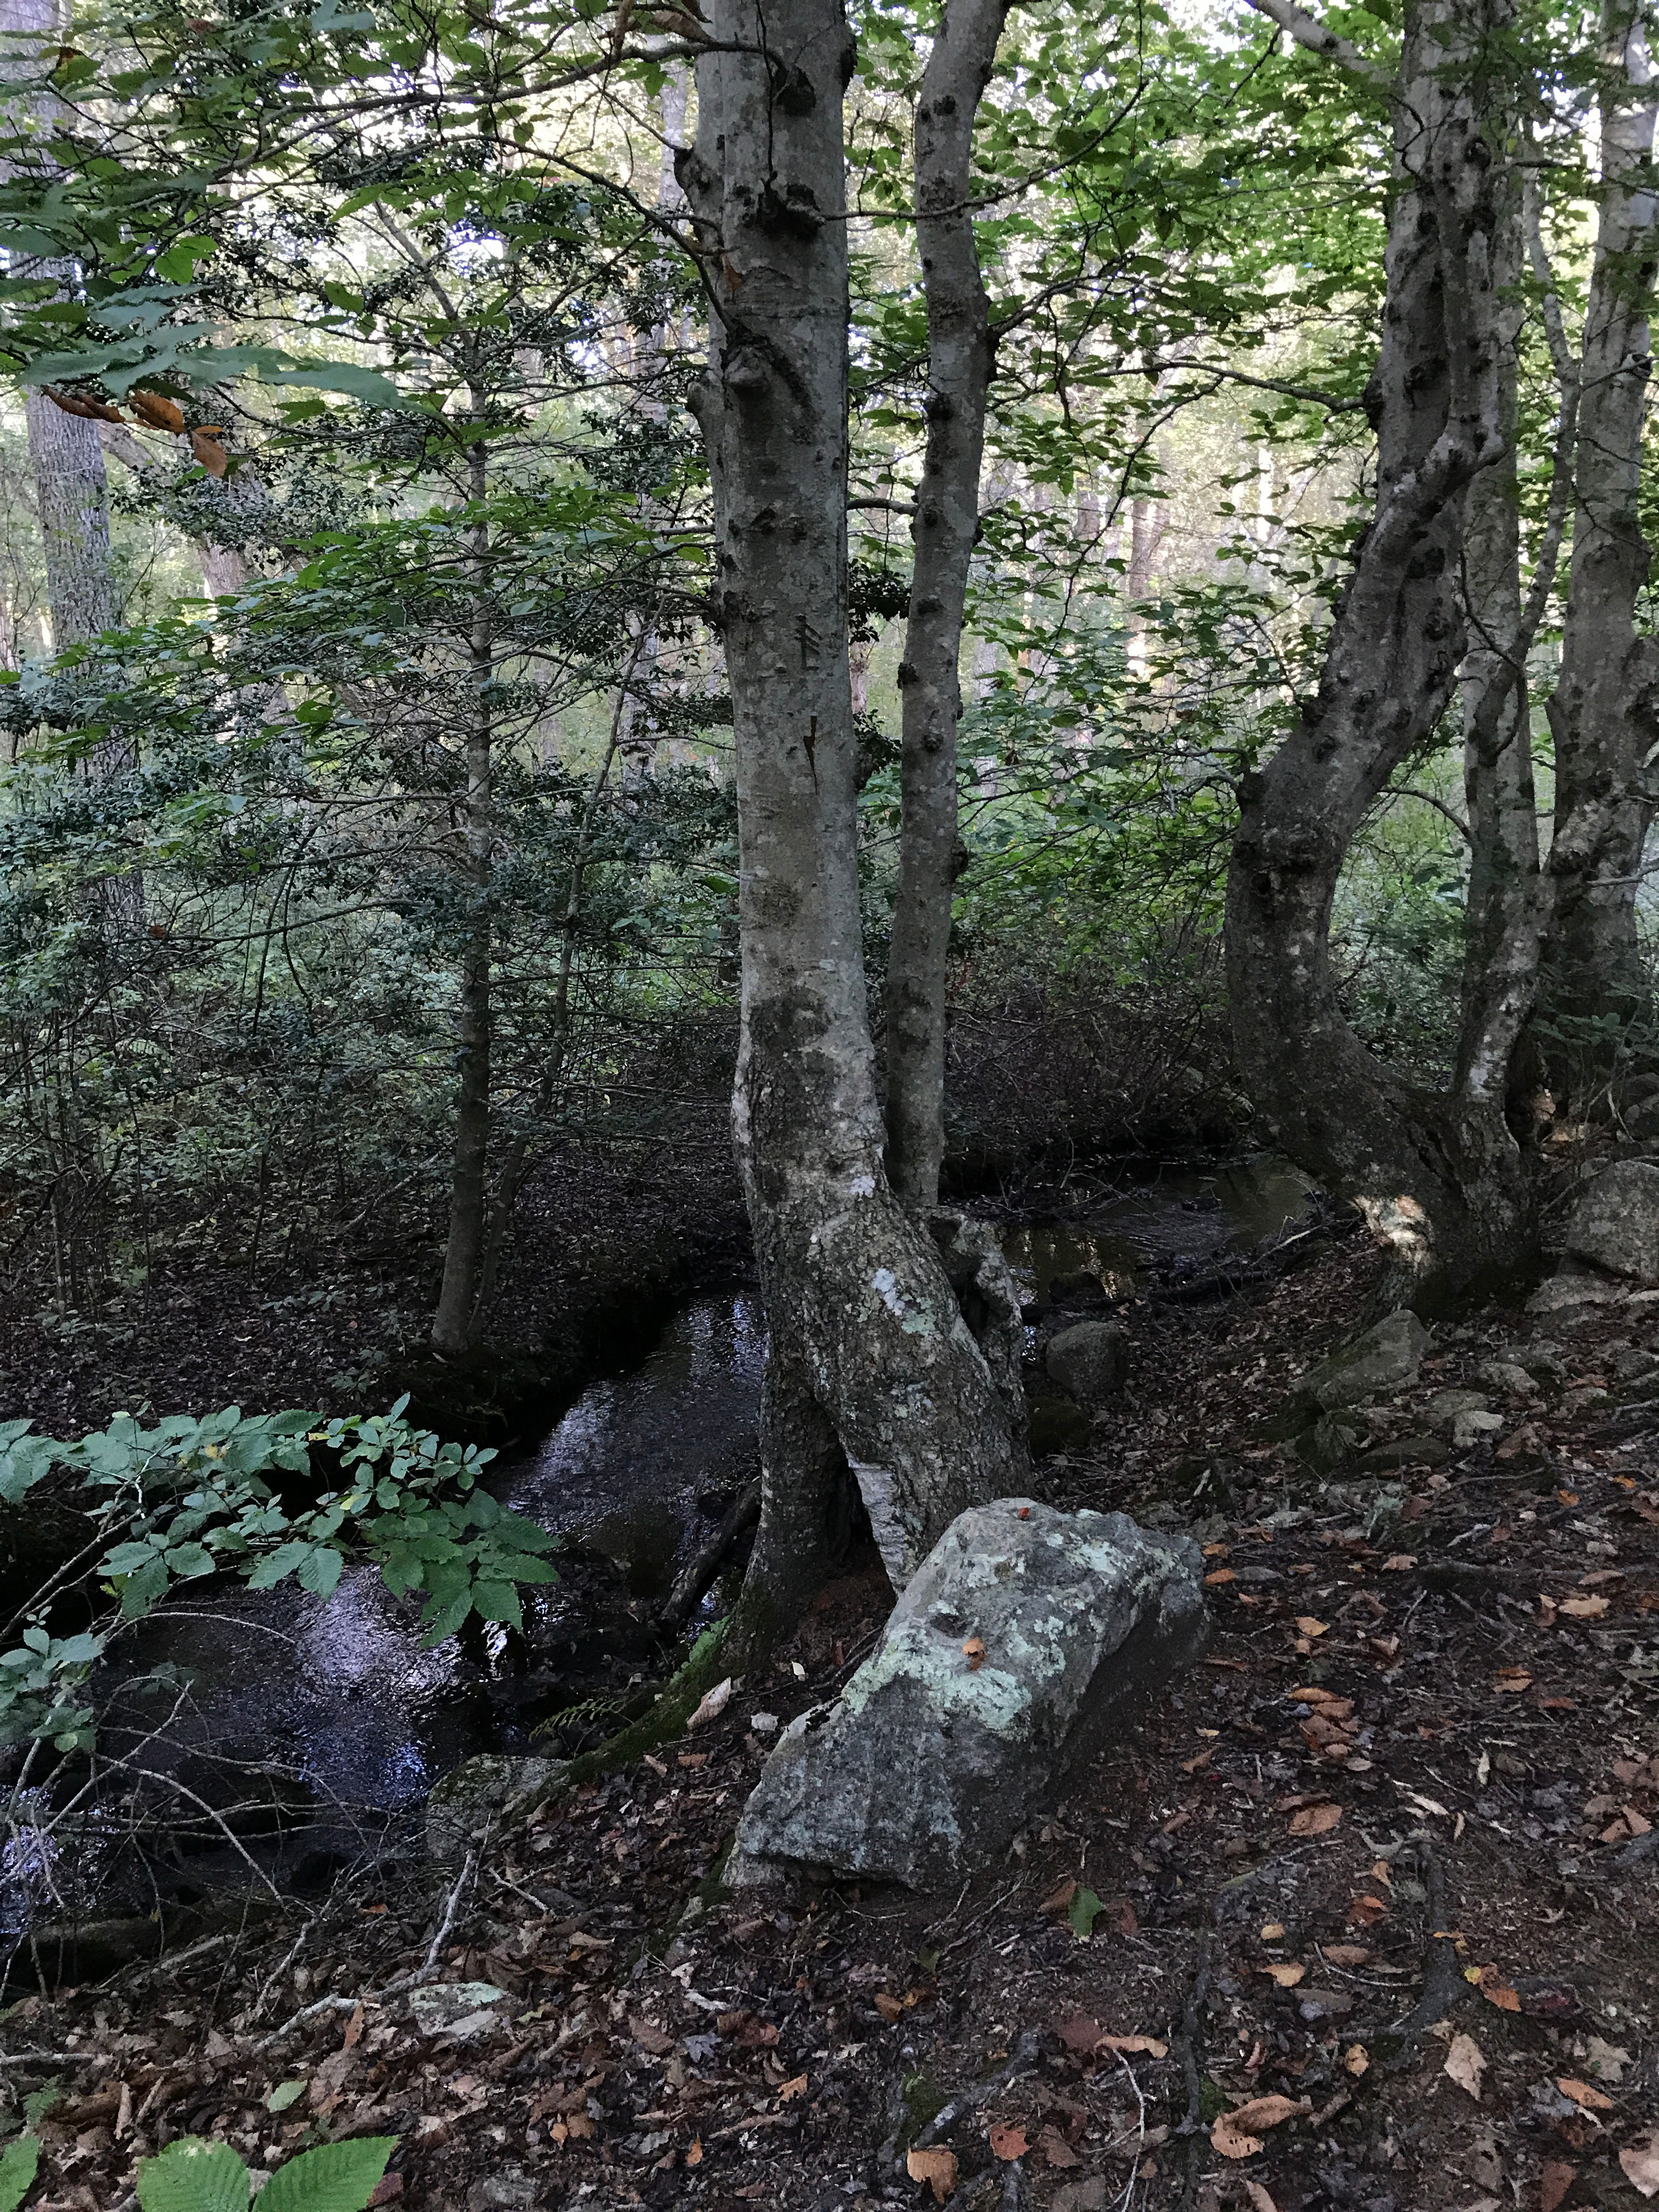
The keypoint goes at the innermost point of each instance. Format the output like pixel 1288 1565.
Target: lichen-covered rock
pixel 478 1794
pixel 1386 1358
pixel 1026 1640
pixel 1091 1359
pixel 1615 1221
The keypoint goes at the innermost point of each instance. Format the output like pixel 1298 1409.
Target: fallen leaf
pixel 889 2007
pixel 1310 1626
pixel 353 2028
pixel 1008 2142
pixel 1356 2059
pixel 1583 1608
pixel 1592 2100
pixel 694 2151
pixel 1608 2060
pixel 1554 2182
pixel 1489 1980
pixel 1400 1563
pixel 1058 1899
pixel 388 2189
pixel 1346 1955
pixel 1316 1820
pixel 712 1705
pixel 788 2091
pixel 1078 2032
pixel 1056 2151
pixel 1149 2044
pixel 1640 2165
pixel 974 1652
pixel 1221 1574
pixel 373 1911
pixel 1466 2063
pixel 1081 1914
pixel 1286 1976
pixel 1271 1931
pixel 1226 2138
pixel 1365 1909
pixel 1267 2112
pixel 938 2168
pixel 1258 2198
pixel 651 2037
pixel 1512 1680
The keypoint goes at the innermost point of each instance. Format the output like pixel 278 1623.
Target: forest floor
pixel 1412 1781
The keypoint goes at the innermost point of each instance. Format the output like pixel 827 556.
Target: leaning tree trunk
pixel 1442 1181
pixel 959 362
pixel 870 1355
pixel 1605 714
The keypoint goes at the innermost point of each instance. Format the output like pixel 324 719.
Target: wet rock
pixel 1091 1359
pixel 458 2009
pixel 1026 1641
pixel 479 1794
pixel 1385 1358
pixel 1405 1451
pixel 1615 1221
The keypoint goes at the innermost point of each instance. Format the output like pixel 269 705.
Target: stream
pixel 329 1721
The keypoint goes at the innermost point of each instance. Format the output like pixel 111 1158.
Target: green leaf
pixel 337 2176
pixel 498 1601
pixel 284 2095
pixel 321 1571
pixel 18 2163
pixel 1082 1913
pixel 193 2176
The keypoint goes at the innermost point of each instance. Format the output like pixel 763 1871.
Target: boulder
pixel 1571 1291
pixel 1474 1426
pixel 1386 1358
pixel 1026 1641
pixel 1615 1221
pixel 1091 1359
pixel 480 1793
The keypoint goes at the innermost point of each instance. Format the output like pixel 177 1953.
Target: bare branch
pixel 1308 31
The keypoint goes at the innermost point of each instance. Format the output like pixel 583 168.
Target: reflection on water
pixel 630 1460
pixel 1040 1251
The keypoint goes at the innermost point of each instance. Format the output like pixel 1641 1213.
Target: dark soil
pixel 1383 1858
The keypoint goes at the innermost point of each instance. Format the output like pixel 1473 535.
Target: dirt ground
pixel 1362 1915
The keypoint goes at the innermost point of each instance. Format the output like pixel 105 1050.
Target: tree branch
pixel 1308 31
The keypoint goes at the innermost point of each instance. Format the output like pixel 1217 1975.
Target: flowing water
pixel 337 1696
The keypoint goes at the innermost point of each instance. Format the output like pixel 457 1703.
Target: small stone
pixel 1447 1405
pixel 764 1723
pixel 460 2009
pixel 1505 1375
pixel 1615 1221
pixel 1091 1359
pixel 1386 1357
pixel 1474 1427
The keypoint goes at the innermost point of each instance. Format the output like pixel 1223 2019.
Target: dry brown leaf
pixel 353 2028
pixel 1008 2142
pixel 1149 2044
pixel 156 411
pixel 974 1652
pixel 713 1704
pixel 1592 2100
pixel 1316 1820
pixel 1400 1563
pixel 1346 1955
pixel 1226 2138
pixel 1287 1976
pixel 938 2168
pixel 1078 2032
pixel 1267 2112
pixel 1221 1574
pixel 1466 2063
pixel 1058 1899
pixel 1056 2151
pixel 1258 2198
pixel 1512 1680
pixel 1271 1931
pixel 694 2151
pixel 1310 1626
pixel 1583 1608
pixel 1489 1980
pixel 889 2007
pixel 1640 2165
pixel 1554 2182
pixel 788 2091
pixel 1356 2059
pixel 209 453
pixel 1366 1909
pixel 1216 1551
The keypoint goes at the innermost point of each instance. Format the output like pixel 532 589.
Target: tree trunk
pixel 1605 714
pixel 469 1189
pixel 869 1347
pixel 959 365
pixel 1442 1181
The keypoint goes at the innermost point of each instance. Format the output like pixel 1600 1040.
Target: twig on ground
pixel 1444 1985
pixel 452 1905
pixel 1021 2060
pixel 308 2012
pixel 1140 2133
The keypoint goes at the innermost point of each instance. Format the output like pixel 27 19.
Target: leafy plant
pixel 194 2176
pixel 188 1498
pixel 19 2163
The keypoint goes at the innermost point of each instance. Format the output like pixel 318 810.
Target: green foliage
pixel 1081 1914
pixel 191 1498
pixel 20 2161
pixel 194 2176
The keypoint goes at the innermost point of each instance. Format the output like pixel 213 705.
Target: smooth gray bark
pixel 1604 715
pixel 959 363
pixel 1440 1181
pixel 869 1348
